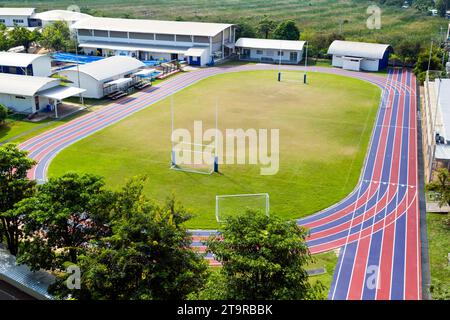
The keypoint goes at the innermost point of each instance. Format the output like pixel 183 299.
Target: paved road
pixel 376 226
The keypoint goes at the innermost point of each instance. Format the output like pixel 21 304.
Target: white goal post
pixel 194 158
pixel 231 203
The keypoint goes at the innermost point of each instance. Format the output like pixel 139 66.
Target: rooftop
pixel 16 59
pixel 358 49
pixel 444 105
pixel 14 84
pixel 65 15
pixel 270 44
pixel 17 11
pixel 109 67
pixel 152 26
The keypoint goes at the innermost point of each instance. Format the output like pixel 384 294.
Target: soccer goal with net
pixel 233 204
pixel 194 158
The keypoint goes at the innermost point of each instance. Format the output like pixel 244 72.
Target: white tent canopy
pixel 195 52
pixel 59 93
pixel 118 82
pixel 145 72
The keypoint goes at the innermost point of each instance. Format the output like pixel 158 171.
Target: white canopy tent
pixel 60 93
pixel 118 82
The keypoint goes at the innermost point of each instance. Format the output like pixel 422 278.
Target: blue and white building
pixel 360 56
pixel 25 64
pixel 197 43
pixel 270 50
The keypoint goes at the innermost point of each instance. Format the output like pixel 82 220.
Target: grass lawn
pixel 439 248
pixel 327 260
pixel 324 133
pixel 16 125
pixel 312 17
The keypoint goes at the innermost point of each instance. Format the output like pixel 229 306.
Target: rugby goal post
pixel 227 205
pixel 194 158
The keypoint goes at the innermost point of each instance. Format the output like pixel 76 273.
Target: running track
pixel 376 227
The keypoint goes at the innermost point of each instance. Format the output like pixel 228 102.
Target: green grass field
pixel 324 132
pixel 314 16
pixel 439 248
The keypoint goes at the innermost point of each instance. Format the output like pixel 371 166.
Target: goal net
pixel 194 158
pixel 292 76
pixel 232 205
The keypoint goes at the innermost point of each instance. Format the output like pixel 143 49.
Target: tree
pixel 245 30
pixel 423 5
pixel 441 187
pixel 146 257
pixel 287 30
pixel 3 114
pixel 266 26
pixel 21 36
pixel 442 6
pixel 61 218
pixel 262 258
pixel 56 36
pixel 4 38
pixel 14 187
pixel 422 64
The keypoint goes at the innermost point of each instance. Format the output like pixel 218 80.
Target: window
pixel 280 53
pixel 260 52
pixel 17 21
pixel 20 97
pixel 2 21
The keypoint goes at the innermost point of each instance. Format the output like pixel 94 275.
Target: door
pixel 174 56
pixel 246 53
pixel 36 102
pixel 293 56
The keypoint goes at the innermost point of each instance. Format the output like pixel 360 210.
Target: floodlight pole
pixel 433 132
pixel 429 59
pixel 78 67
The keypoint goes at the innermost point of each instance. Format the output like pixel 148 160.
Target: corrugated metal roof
pixel 17 11
pixel 442 152
pixel 64 15
pixel 15 59
pixel 270 44
pixel 444 104
pixel 358 49
pixel 152 26
pixel 23 85
pixel 108 68
pixel 33 283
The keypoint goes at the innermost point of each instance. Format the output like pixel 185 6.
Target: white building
pixel 17 16
pixel 359 56
pixel 97 77
pixel 196 42
pixel 26 94
pixel 269 50
pixel 70 17
pixel 25 64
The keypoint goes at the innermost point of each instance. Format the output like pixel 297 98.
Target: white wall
pixel 93 88
pixel 351 65
pixel 25 105
pixel 370 65
pixel 42 67
pixel 337 61
pixel 9 20
pixel 366 64
pixel 273 54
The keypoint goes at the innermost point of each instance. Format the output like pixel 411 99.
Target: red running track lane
pixel 377 225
